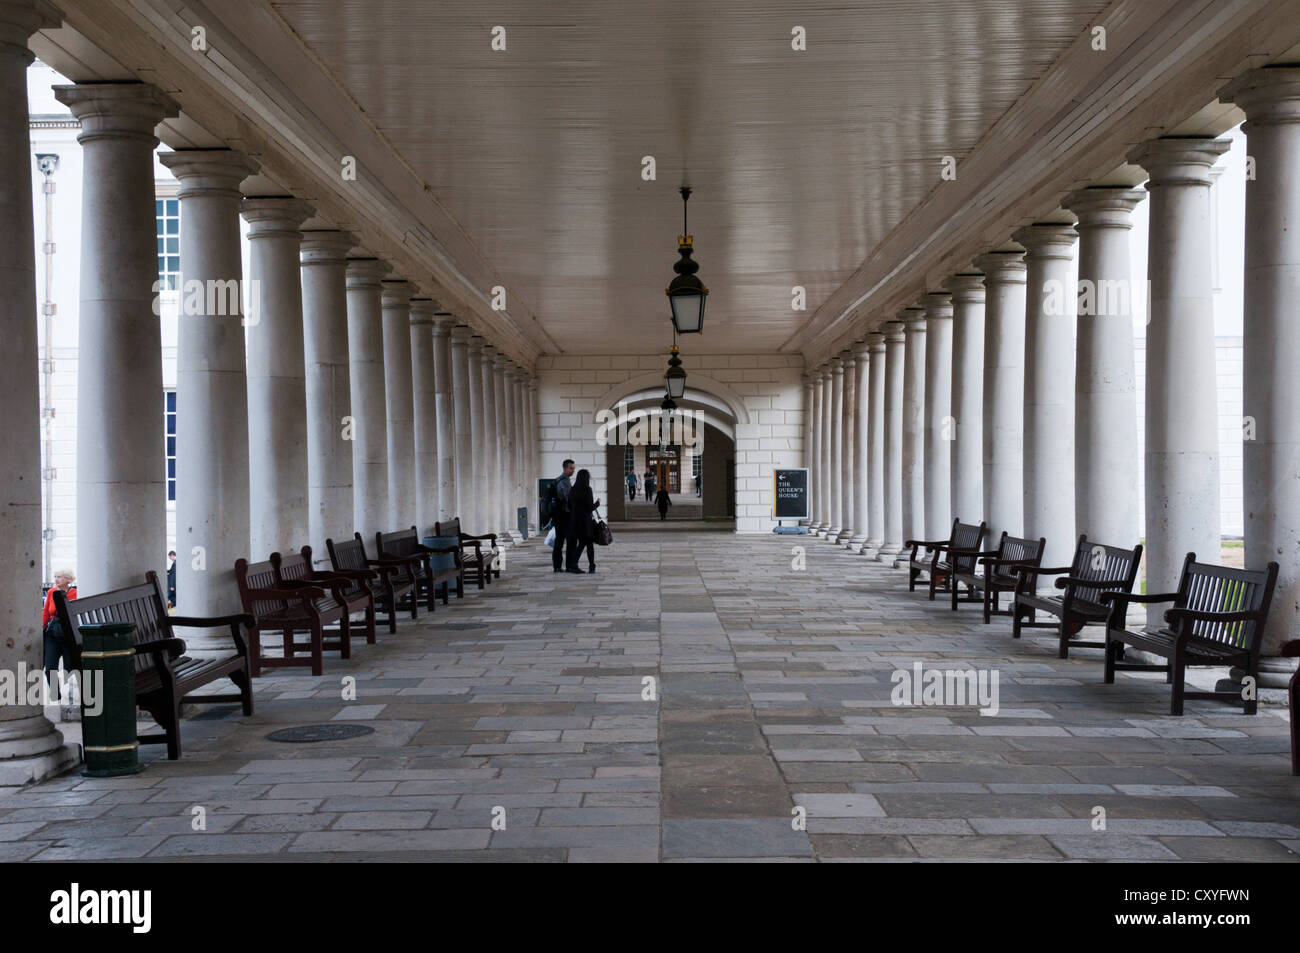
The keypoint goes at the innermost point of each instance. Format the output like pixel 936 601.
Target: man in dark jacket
pixel 560 515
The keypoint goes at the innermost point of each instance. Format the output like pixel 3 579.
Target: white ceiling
pixel 801 161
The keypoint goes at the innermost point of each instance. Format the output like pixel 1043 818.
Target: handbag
pixel 550 537
pixel 603 535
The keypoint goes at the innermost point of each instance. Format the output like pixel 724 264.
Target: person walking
pixel 56 645
pixel 582 527
pixel 663 502
pixel 649 484
pixel 560 514
pixel 631 487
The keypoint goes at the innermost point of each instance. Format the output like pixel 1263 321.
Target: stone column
pixel 815 452
pixel 502 406
pixel 939 424
pixel 444 411
pixel 810 443
pixel 1182 434
pixel 968 395
pixel 534 450
pixel 837 449
pixel 876 447
pixel 914 424
pixel 491 435
pixel 517 441
pixel 399 403
pixel 369 430
pixel 212 475
pixel 464 425
pixel 1105 390
pixel 323 256
pixel 121 496
pixel 31 749
pixel 828 450
pixel 477 492
pixel 1004 391
pixel 277 388
pixel 847 425
pixel 1271 99
pixel 892 469
pixel 424 398
pixel 1050 300
pixel 861 446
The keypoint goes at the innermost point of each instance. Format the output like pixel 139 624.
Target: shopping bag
pixel 550 537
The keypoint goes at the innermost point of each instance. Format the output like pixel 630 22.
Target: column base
pixel 888 552
pixel 834 533
pixel 32 750
pixel 871 548
pixel 856 543
pixel 1274 677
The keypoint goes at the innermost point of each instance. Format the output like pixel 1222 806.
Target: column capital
pixel 894 333
pixel 476 343
pixel 396 292
pixel 876 341
pixel 117 110
pixel 443 321
pixel 1047 240
pixel 460 335
pixel 366 272
pixel 837 365
pixel 19 19
pixel 423 310
pixel 325 246
pixel 862 349
pixel 1104 206
pixel 1002 267
pixel 1270 94
pixel 966 287
pixel 277 216
pixel 1178 160
pixel 913 319
pixel 489 352
pixel 824 371
pixel 938 305
pixel 211 172
pixel 501 362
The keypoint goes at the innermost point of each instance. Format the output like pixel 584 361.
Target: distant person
pixel 631 487
pixel 649 483
pixel 699 485
pixel 560 514
pixel 663 502
pixel 56 644
pixel 582 527
pixel 171 580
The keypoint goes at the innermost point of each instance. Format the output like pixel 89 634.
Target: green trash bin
pixel 108 736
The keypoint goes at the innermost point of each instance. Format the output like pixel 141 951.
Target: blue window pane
pixel 171 401
pixel 174 263
pixel 171 444
pixel 171 469
pixel 174 245
pixel 173 227
pixel 173 206
pixel 160 246
pixel 158 206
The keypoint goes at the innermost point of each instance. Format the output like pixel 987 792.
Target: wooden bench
pixel 477 564
pixel 943 558
pixel 353 590
pixel 390 583
pixel 1217 619
pixel 165 676
pixel 405 544
pixel 1096 569
pixel 1001 572
pixel 304 607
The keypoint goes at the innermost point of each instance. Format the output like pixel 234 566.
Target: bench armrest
pixel 1056 570
pixel 1116 596
pixel 358 575
pixel 213 622
pixel 173 647
pixel 491 536
pixel 928 544
pixel 1015 565
pixel 1065 581
pixel 305 594
pixel 443 551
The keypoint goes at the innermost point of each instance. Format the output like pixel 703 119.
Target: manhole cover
pixel 331 732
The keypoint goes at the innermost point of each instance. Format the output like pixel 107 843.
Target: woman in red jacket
pixel 56 648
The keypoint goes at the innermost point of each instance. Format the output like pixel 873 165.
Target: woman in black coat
pixel 582 527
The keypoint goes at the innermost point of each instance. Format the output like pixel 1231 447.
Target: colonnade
pixel 980 401
pixel 334 402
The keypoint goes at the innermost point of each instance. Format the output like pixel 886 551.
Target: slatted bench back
pixel 347 554
pixel 1097 561
pixel 1016 549
pixel 449 527
pixel 965 536
pixel 1208 588
pixel 141 604
pixel 293 566
pixel 404 542
pixel 252 576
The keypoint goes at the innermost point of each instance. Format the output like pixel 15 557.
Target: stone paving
pixel 528 704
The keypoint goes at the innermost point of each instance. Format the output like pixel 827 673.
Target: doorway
pixel 666 464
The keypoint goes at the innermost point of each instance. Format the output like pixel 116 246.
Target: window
pixel 629 459
pixel 169 416
pixel 167 214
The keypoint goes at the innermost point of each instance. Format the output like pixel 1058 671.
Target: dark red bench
pixel 306 607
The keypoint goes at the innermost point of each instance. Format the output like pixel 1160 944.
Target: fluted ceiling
pixel 801 161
